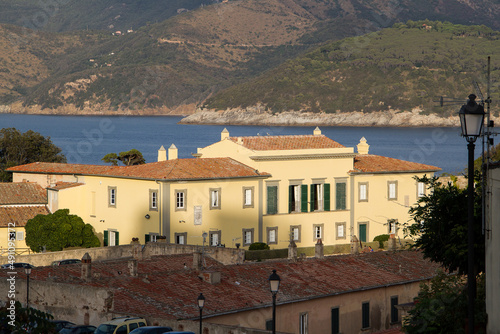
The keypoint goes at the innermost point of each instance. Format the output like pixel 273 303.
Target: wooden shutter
pixel 146 238
pixel 326 197
pixel 335 321
pixel 313 197
pixel 303 198
pixel 272 200
pixel 117 238
pixel 340 196
pixel 105 240
pixel 291 199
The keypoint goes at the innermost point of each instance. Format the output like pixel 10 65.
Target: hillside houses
pixel 238 191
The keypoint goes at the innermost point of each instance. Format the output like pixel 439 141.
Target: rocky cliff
pixel 258 116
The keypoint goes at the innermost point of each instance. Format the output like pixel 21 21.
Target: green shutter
pixel 326 196
pixel 303 198
pixel 290 199
pixel 272 200
pixel 146 238
pixel 105 240
pixel 340 196
pixel 313 197
pixel 117 238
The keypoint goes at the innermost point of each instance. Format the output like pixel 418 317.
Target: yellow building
pixel 240 190
pixel 180 199
pixel 320 189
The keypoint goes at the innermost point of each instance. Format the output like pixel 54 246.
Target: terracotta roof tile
pixel 22 193
pixel 64 185
pixel 178 169
pixel 164 288
pixel 19 215
pixel 264 143
pixel 368 163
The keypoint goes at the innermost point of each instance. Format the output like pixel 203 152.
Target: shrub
pixel 381 239
pixel 258 246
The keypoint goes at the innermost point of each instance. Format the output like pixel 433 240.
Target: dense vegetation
pixel 409 65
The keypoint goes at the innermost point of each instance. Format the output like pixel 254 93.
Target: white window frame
pixel 340 227
pixel 318 231
pixel 211 238
pixel 19 235
pixel 112 192
pixel 303 323
pixel 392 226
pixel 295 233
pixel 182 235
pixel 274 232
pixel 420 189
pixel 153 199
pixel 319 189
pixel 392 190
pixel 248 236
pixel 363 192
pixel 180 200
pixel 215 197
pixel 248 197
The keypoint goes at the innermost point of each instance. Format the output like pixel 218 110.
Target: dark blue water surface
pixel 86 139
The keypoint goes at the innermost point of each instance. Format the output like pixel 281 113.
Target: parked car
pixel 121 325
pixel 60 324
pixel 152 330
pixel 68 261
pixel 17 265
pixel 78 329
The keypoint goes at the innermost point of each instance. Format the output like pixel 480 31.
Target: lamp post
pixel 201 303
pixel 471 120
pixel 27 271
pixel 274 284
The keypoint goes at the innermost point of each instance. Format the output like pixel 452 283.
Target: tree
pixel 59 230
pixel 16 319
pixel 439 225
pixel 441 306
pixel 129 158
pixel 18 148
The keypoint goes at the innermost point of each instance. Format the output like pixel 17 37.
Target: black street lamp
pixel 471 120
pixel 274 284
pixel 27 271
pixel 201 303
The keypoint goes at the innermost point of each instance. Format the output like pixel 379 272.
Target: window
pixel 214 199
pixel 214 238
pixel 248 197
pixel 132 326
pixel 365 315
pixel 335 320
pixel 392 190
pixel 180 200
pixel 394 310
pixel 122 330
pixel 112 197
pixel 392 226
pixel 153 199
pixel 318 231
pixel 181 238
pixel 151 237
pixel 340 228
pixel 420 189
pixel 12 236
pixel 269 325
pixel 363 192
pixel 272 235
pixel 363 231
pixel 247 236
pixel 340 195
pixel 272 200
pixel 320 197
pixel 297 198
pixel 295 233
pixel 303 323
pixel 111 238
pixel 20 235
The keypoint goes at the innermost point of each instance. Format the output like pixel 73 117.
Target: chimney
pixel 137 251
pixel 363 146
pixel 132 267
pixel 172 152
pixel 292 251
pixel 162 154
pixel 317 132
pixel 224 134
pixel 197 260
pixel 86 267
pixel 354 245
pixel 319 250
pixel 240 141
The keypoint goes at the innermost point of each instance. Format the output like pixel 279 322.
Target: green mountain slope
pixel 404 67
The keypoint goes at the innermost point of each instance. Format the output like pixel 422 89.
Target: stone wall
pixel 221 254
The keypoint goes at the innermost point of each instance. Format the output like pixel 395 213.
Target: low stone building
pixel 333 294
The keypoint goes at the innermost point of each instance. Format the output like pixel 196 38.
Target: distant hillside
pixel 401 68
pixel 174 65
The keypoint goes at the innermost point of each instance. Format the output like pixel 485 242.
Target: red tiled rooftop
pixel 368 163
pixel 165 288
pixel 264 143
pixel 19 215
pixel 65 185
pixel 178 169
pixel 22 193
